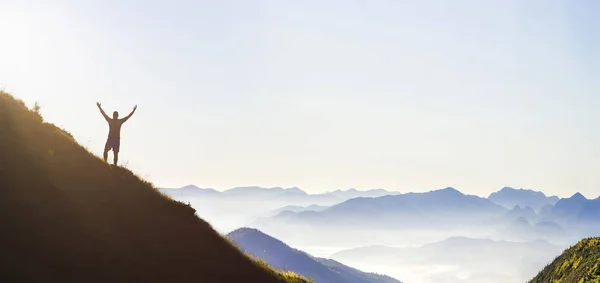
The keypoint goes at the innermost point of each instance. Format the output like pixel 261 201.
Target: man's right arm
pixel 102 111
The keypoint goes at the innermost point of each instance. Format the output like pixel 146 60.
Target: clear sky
pixel 323 95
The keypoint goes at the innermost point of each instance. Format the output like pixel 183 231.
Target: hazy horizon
pixel 404 96
pixel 483 194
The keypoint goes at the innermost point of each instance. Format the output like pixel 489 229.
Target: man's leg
pixel 106 149
pixel 116 147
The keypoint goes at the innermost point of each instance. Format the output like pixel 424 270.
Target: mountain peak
pixel 511 190
pixel 449 190
pixel 191 187
pixel 508 197
pixel 295 190
pixel 578 196
pixel 244 231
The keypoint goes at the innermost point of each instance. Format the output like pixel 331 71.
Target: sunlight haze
pixel 322 95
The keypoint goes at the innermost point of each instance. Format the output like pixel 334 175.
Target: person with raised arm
pixel 114 134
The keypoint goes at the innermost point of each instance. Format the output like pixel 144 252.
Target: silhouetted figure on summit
pixel 114 135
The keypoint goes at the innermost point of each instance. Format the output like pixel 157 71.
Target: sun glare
pixel 14 43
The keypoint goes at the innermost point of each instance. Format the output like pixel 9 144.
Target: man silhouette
pixel 114 134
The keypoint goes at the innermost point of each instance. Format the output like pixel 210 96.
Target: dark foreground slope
pixel 66 216
pixel 282 256
pixel 580 263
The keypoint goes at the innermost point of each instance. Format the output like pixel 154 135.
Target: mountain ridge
pixel 254 189
pixel 510 197
pixel 379 190
pixel 67 216
pixel 282 256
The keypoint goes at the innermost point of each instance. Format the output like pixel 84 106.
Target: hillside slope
pixel 580 263
pixel 66 216
pixel 282 256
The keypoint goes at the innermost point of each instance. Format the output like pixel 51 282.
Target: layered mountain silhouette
pixel 443 207
pixel 575 210
pixel 354 193
pixel 567 220
pixel 190 191
pixel 521 229
pixel 525 212
pixel 510 197
pixel 568 207
pixel 252 192
pixel 293 195
pixel 236 207
pixel 297 208
pixel 67 216
pixel 223 208
pixel 281 256
pixel 259 192
pixel 590 212
pixel 579 263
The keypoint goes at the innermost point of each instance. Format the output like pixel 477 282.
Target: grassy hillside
pixel 66 216
pixel 578 264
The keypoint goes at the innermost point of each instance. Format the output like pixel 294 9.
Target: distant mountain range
pixel 506 197
pixel 509 198
pixel 574 210
pixel 280 255
pixel 254 192
pixel 298 208
pixel 354 193
pixel 443 207
pixel 267 208
pixel 190 191
pixel 521 229
pixel 524 212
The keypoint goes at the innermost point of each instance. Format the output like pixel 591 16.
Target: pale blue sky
pixel 323 95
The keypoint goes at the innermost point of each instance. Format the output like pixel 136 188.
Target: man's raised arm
pixel 102 111
pixel 129 116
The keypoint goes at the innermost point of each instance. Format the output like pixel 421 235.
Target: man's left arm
pixel 129 116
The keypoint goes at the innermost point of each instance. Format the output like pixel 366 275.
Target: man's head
pixel 115 115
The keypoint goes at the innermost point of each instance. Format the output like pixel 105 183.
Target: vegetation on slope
pixel 280 255
pixel 578 264
pixel 67 216
pixel 288 276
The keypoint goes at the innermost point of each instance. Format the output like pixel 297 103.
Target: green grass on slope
pixel 578 264
pixel 289 276
pixel 67 216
